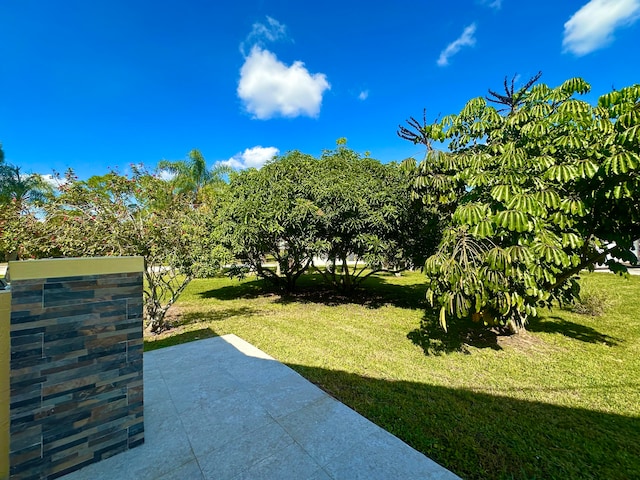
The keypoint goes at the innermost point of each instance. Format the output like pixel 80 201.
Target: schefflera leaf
pixel 497 258
pixel 549 198
pixel 484 229
pixel 470 213
pixel 573 206
pixel 562 173
pixel 621 162
pixel 513 220
pixel 526 203
pixel 587 168
pixel 520 253
pixel 502 193
pixel 572 240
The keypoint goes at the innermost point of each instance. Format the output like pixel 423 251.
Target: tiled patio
pixel 222 409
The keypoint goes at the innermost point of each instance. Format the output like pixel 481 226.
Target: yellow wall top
pixel 73 267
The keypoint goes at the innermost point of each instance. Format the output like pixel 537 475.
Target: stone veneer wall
pixel 76 363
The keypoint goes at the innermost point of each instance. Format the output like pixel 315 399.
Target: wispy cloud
pixel 592 27
pixel 496 4
pixel 254 157
pixel 465 40
pixel 261 33
pixel 268 87
pixel 363 95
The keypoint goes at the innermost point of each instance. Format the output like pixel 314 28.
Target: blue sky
pixel 97 84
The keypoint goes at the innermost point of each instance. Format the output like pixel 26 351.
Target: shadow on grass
pixel 247 289
pixel 404 296
pixel 374 293
pixel 189 318
pixel 153 344
pixel 435 341
pixel 478 436
pixel 569 329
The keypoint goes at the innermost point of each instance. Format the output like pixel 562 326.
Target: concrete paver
pixel 222 409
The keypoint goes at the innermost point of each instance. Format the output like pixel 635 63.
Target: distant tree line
pixel 343 215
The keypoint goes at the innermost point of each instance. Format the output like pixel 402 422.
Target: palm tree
pixel 191 177
pixel 18 193
pixel 20 188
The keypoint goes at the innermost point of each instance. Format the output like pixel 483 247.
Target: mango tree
pixel 344 215
pixel 368 221
pixel 268 217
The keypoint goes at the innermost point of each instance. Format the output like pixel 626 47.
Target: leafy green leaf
pixel 470 213
pixel 513 220
pixel 549 198
pixel 621 162
pixel 483 229
pixel 502 193
pixel 587 168
pixel 562 173
pixel 443 318
pixel 573 206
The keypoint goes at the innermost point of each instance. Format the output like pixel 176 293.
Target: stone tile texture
pixel 76 372
pixel 220 409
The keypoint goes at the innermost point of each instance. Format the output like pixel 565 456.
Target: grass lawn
pixel 560 401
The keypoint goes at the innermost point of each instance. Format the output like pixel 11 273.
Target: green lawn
pixel 561 401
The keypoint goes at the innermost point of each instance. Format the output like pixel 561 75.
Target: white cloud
pixel 262 33
pixel 465 40
pixel 254 157
pixel 55 181
pixel 166 175
pixel 497 4
pixel 592 27
pixel 270 88
pixel 363 95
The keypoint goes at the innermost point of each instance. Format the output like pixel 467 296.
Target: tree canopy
pixel 532 196
pixel 344 215
pixel 369 222
pixel 269 215
pixel 142 215
pixel 21 194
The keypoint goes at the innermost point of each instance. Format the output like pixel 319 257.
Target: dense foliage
pixel 369 222
pixel 344 215
pixel 21 195
pixel 269 215
pixel 532 196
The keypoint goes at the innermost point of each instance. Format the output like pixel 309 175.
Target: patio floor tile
pixel 222 409
pixel 233 458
